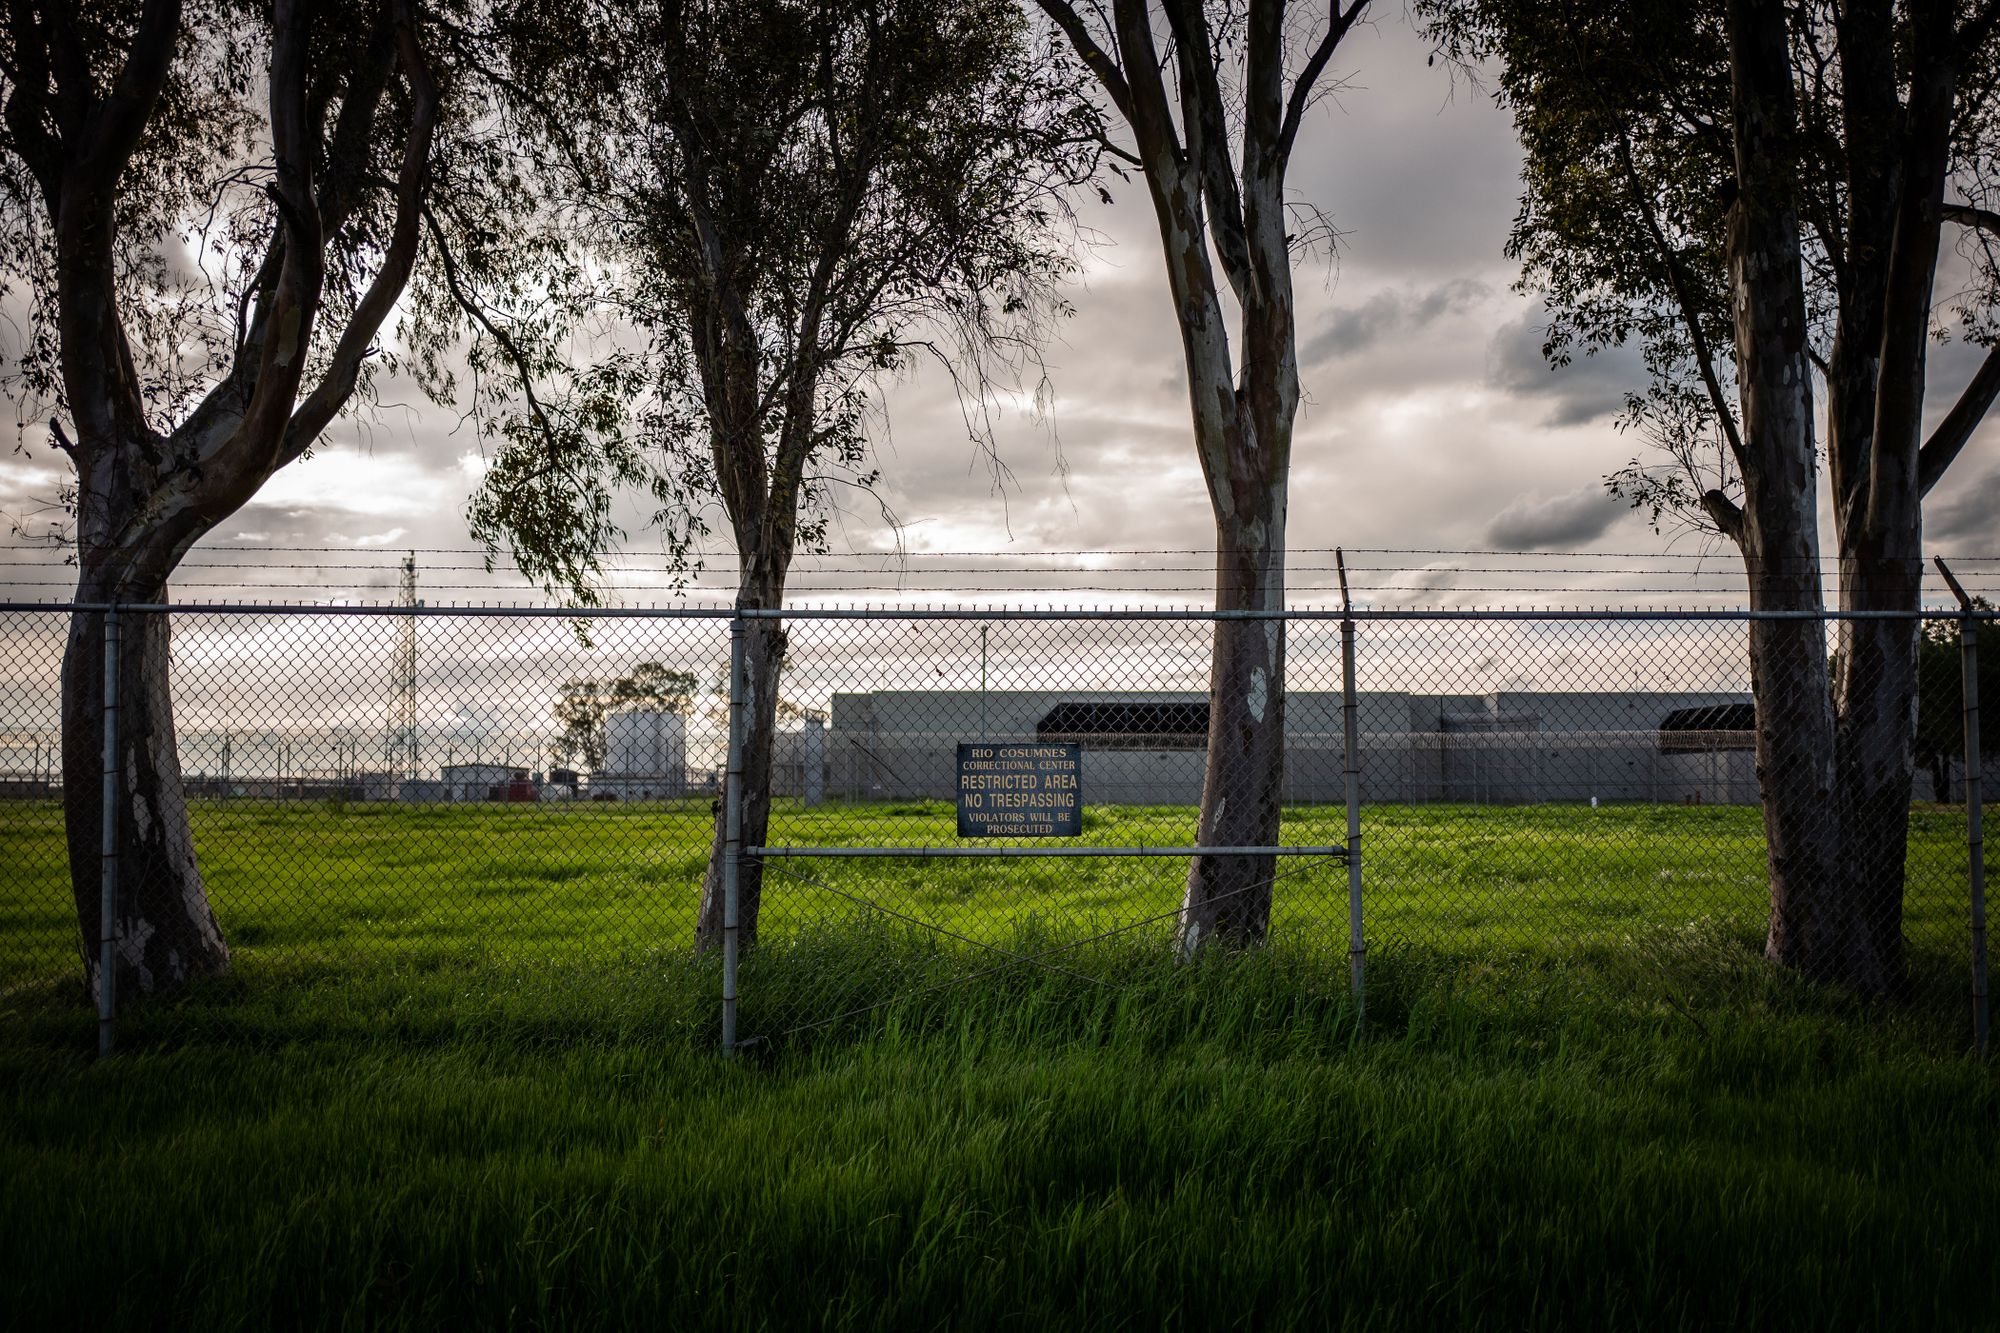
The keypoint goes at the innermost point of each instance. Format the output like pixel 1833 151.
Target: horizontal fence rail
pixel 920 853
pixel 975 614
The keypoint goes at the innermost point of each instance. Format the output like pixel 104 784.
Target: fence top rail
pixel 977 613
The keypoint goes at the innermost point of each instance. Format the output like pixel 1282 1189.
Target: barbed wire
pixel 718 585
pixel 396 552
pixel 719 571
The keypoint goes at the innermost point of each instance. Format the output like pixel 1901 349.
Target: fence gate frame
pixel 734 850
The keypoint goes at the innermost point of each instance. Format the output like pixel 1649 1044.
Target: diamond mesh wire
pixel 481 796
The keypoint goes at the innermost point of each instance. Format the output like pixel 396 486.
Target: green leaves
pixel 747 213
pixel 1622 112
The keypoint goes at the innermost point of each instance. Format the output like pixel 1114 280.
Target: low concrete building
pixel 799 762
pixel 1146 748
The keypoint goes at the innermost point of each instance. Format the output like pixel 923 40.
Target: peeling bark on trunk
pixel 1811 926
pixel 1228 898
pixel 1875 761
pixel 167 933
pixel 763 663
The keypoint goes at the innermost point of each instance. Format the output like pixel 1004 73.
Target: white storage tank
pixel 645 755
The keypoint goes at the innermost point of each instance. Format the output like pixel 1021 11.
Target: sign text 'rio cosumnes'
pixel 1020 790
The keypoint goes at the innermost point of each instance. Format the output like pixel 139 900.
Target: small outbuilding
pixel 487 782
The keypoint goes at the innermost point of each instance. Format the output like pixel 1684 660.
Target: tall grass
pixel 1211 1145
pixel 465 1075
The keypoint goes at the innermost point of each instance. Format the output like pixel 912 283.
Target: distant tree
pixel 1940 697
pixel 1214 105
pixel 783 202
pixel 1758 194
pixel 581 708
pixel 209 247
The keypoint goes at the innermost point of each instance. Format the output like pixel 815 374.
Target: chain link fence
pixel 380 800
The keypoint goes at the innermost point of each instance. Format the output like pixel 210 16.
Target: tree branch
pixel 347 144
pixel 120 120
pixel 1124 155
pixel 398 260
pixel 28 113
pixel 468 301
pixel 1925 149
pixel 1207 132
pixel 1978 26
pixel 1684 298
pixel 1338 23
pixel 1967 215
pixel 295 298
pixel 1098 61
pixel 1151 120
pixel 1950 437
pixel 1724 513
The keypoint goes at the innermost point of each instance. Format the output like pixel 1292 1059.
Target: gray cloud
pixel 1420 176
pixel 1570 519
pixel 1427 404
pixel 1588 388
pixel 1971 514
pixel 1387 314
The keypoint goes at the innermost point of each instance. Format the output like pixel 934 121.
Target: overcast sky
pixel 1430 421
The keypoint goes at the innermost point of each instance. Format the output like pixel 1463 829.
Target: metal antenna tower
pixel 403 725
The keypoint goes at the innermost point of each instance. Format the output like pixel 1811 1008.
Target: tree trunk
pixel 1208 205
pixel 1244 440
pixel 1795 776
pixel 763 663
pixel 167 933
pixel 1900 162
pixel 1875 756
pixel 1228 898
pixel 1811 926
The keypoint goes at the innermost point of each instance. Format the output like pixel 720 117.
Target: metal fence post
pixel 1975 836
pixel 1357 947
pixel 107 894
pixel 1975 813
pixel 732 833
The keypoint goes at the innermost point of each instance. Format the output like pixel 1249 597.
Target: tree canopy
pixel 1623 113
pixel 773 208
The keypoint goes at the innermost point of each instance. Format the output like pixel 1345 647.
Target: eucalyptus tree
pixel 782 203
pixel 211 209
pixel 1214 95
pixel 1759 195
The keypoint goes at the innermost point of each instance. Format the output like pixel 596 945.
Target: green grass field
pixel 464 1075
pixel 319 889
